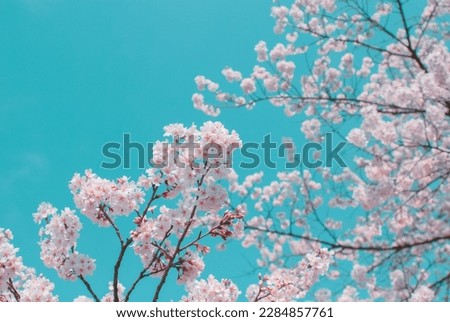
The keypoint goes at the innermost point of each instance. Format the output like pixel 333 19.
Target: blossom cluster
pixel 286 285
pixel 211 290
pixel 59 240
pixel 10 264
pixel 102 199
pixel 391 101
pixel 18 282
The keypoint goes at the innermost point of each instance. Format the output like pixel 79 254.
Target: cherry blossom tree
pixel 376 73
pixel 175 206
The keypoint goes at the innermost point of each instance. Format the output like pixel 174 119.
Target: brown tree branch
pixel 350 247
pixel 117 268
pixel 175 253
pixel 143 274
pixel 89 288
pixel 13 290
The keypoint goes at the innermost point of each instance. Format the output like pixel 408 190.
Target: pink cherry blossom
pixel 357 137
pixel 248 85
pixel 291 284
pixel 231 75
pixel 211 290
pixel 18 282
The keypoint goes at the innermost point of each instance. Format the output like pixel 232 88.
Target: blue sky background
pixel 75 75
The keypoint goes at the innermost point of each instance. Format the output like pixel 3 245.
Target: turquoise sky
pixel 75 75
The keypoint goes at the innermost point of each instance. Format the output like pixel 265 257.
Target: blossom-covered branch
pixel 376 73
